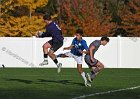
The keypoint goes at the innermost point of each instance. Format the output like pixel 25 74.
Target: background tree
pixel 131 17
pixel 126 14
pixel 18 17
pixel 86 14
pixel 96 17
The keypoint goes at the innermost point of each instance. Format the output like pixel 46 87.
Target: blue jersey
pixel 78 45
pixel 53 30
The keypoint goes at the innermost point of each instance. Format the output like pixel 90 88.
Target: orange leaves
pixel 20 17
pixel 131 17
pixel 84 13
pixel 88 14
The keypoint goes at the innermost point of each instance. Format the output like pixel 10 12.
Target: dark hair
pixel 105 38
pixel 47 16
pixel 79 31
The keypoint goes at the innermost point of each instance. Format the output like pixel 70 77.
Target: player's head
pixel 79 34
pixel 47 17
pixel 104 40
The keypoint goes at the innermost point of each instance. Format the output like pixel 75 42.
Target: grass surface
pixel 44 83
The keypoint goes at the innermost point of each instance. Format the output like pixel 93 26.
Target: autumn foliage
pixel 18 17
pixel 96 17
pixel 131 18
pixel 87 15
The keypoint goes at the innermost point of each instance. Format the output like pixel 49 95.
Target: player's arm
pixel 91 53
pixel 41 34
pixel 68 48
pixel 47 33
pixel 85 47
pixel 84 52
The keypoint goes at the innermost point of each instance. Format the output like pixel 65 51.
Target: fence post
pixel 119 51
pixel 34 50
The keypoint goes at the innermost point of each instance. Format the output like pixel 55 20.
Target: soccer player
pixel 95 65
pixel 52 30
pixel 77 49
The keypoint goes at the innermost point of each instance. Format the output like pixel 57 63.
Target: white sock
pixel 84 76
pixel 45 59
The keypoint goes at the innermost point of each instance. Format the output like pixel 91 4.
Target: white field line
pixel 106 92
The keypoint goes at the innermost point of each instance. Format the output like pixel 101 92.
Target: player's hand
pixel 93 60
pixel 81 51
pixel 68 48
pixel 39 33
pixel 36 34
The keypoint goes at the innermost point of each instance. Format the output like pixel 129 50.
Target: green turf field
pixel 44 83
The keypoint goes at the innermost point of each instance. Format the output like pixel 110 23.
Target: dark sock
pixel 55 61
pixel 60 55
pixel 92 75
pixel 96 70
pixel 45 55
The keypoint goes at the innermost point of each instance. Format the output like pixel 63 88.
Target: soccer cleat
pixel 89 77
pixel 45 62
pixel 87 84
pixel 59 66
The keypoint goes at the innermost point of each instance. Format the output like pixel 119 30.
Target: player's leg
pixel 80 70
pixel 53 56
pixel 62 55
pixel 54 48
pixel 90 76
pixel 46 46
pixel 99 67
pixel 82 73
pixel 95 69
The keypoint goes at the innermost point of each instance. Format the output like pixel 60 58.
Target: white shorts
pixel 78 59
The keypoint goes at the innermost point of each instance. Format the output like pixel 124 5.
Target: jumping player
pixel 52 30
pixel 77 49
pixel 93 63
